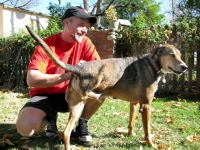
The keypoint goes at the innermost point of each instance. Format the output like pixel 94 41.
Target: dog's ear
pixel 162 44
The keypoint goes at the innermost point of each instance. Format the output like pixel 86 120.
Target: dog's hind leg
pixel 145 110
pixel 76 105
pixel 132 117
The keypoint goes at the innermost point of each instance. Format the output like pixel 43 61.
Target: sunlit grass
pixel 174 124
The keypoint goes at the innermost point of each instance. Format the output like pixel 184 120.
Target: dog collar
pixel 159 72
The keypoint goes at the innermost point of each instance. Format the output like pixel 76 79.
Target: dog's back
pixel 134 80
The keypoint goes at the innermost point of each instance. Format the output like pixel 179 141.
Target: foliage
pixel 25 4
pixel 145 13
pixel 139 35
pixel 56 12
pixel 192 37
pixel 188 9
pixel 136 39
pixel 111 13
pixel 148 10
pixel 21 44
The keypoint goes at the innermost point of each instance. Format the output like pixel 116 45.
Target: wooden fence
pixel 187 39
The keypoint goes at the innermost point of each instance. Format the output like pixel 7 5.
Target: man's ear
pixel 66 21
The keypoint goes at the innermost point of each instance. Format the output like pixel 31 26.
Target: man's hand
pixel 81 62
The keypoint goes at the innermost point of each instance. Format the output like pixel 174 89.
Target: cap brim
pixel 92 19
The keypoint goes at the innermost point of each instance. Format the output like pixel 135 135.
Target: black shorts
pixel 51 104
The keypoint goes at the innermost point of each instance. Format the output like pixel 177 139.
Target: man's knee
pixel 24 128
pixel 30 120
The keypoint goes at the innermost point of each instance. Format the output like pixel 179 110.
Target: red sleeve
pixel 90 51
pixel 39 60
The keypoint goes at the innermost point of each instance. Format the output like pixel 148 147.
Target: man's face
pixel 75 29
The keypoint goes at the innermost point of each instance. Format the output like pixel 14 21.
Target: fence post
pixel 198 58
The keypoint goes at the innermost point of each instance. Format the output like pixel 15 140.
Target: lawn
pixel 174 126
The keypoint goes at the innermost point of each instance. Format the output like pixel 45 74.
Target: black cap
pixel 79 12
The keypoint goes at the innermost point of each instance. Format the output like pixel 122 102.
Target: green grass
pixel 168 116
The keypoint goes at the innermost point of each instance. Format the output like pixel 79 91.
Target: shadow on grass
pixel 41 142
pixel 8 132
pixel 110 140
pixel 172 96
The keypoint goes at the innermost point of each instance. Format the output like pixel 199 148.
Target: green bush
pixel 15 52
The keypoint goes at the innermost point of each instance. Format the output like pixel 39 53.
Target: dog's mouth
pixel 175 71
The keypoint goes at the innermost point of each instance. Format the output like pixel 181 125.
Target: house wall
pixel 1 21
pixel 13 20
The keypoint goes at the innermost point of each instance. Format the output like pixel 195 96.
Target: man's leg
pixel 52 127
pixel 38 111
pixel 61 106
pixel 30 120
pixel 90 108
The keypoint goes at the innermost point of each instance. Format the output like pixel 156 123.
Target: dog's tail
pixel 46 48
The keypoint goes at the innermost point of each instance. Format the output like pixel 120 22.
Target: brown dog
pixel 133 79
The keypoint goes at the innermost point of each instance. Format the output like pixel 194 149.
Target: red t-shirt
pixel 66 52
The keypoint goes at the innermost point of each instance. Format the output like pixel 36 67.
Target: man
pixel 49 82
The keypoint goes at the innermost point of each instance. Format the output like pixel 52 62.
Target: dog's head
pixel 170 60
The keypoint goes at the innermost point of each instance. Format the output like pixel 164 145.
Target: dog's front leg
pixel 132 117
pixel 145 110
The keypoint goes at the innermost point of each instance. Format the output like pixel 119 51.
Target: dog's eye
pixel 173 55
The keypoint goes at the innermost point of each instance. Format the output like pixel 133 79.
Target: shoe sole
pixel 85 139
pixel 50 134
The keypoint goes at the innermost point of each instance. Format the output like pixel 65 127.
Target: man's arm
pixel 35 78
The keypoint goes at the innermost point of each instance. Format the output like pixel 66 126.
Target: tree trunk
pixel 99 5
pixel 85 3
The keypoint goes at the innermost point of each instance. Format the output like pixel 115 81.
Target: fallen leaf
pixel 46 144
pixel 184 100
pixel 73 147
pixel 169 148
pixel 7 136
pixel 25 146
pixel 167 114
pixel 192 138
pixel 8 142
pixel 183 128
pixel 170 121
pixel 121 129
pixel 176 104
pixel 143 141
pixel 168 103
pixel 184 108
pixel 121 136
pixel 157 111
pixel 162 146
pixel 24 138
pixel 27 141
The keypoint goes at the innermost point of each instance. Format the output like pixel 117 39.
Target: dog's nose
pixel 184 67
